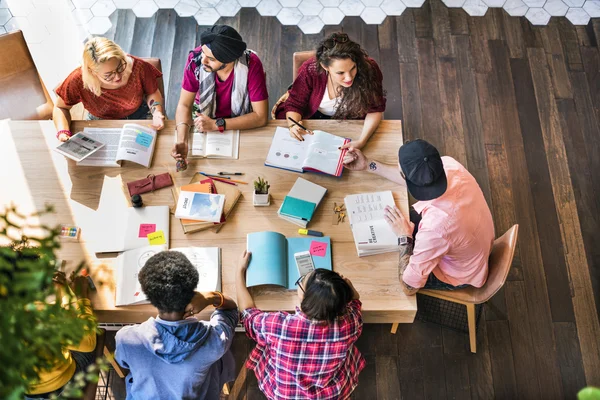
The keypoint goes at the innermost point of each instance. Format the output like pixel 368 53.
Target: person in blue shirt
pixel 175 355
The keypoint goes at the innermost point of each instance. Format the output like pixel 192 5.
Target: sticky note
pixel 318 249
pixel 143 139
pixel 145 229
pixel 156 238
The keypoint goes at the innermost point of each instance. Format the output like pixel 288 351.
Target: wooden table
pixel 34 175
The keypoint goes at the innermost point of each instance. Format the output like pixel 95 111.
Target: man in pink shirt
pixel 455 231
pixel 224 88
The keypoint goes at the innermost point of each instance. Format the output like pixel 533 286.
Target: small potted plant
pixel 260 197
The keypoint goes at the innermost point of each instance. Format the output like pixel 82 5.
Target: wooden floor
pixel 519 106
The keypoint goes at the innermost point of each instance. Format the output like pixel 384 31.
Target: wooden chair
pixel 80 113
pixel 499 266
pixel 300 57
pixel 89 392
pixel 22 92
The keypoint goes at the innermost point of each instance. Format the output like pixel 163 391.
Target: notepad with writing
pixel 305 191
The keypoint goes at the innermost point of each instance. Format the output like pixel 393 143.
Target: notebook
pixel 317 153
pixel 372 234
pixel 297 208
pixel 121 229
pixel 272 261
pixel 306 191
pixel 206 260
pixel 200 206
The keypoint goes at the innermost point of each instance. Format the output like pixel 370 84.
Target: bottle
pixel 136 201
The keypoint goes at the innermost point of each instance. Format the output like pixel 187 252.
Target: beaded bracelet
pixel 65 131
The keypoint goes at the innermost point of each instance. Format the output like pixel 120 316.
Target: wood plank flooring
pixel 519 106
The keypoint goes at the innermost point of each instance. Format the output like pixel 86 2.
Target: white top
pixel 328 106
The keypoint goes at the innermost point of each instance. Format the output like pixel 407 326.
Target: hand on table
pixel 204 123
pixel 399 224
pixel 63 137
pixel 158 120
pixel 243 262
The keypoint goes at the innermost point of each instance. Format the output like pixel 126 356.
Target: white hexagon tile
pixel 186 8
pixel 331 16
pixel 290 3
pixel 228 8
pixel 373 15
pixel 537 16
pixel 475 8
pixel 168 4
pixel 248 3
pixel 289 16
pixel 269 7
pixel 207 16
pixel 578 16
pixel 454 3
pixel 310 24
pixel 393 7
pixel 515 8
pixel 352 7
pixel 145 8
pixel 126 4
pixel 103 8
pixel 310 7
pixel 556 8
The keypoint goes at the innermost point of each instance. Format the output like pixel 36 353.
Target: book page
pixel 107 155
pixel 323 153
pixel 268 264
pixel 366 207
pixel 129 264
pixel 287 152
pixel 137 144
pixel 207 260
pixel 79 146
pixel 222 144
pixel 197 144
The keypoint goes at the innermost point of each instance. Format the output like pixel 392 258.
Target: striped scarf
pixel 240 101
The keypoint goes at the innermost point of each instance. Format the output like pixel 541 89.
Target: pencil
pixel 223 177
pixel 219 179
pixel 300 125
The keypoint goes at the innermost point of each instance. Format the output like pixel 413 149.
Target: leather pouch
pixel 150 183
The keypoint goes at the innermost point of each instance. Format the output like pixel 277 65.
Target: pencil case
pixel 150 183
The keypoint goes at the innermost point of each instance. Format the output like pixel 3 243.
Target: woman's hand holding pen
pixel 296 132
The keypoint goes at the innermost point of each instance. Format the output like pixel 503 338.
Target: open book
pixel 272 261
pixel 317 153
pixel 133 143
pixel 79 147
pixel 206 260
pixel 372 234
pixel 214 144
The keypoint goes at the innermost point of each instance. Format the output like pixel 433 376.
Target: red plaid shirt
pixel 299 358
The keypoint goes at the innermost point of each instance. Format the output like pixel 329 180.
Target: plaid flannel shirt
pixel 299 358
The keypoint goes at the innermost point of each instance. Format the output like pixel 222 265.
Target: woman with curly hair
pixel 341 82
pixel 175 355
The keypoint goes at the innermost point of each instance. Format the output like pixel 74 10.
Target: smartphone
pixel 304 262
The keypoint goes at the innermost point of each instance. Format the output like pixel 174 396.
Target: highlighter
pixel 309 232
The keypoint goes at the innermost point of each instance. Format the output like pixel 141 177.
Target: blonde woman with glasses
pixel 111 85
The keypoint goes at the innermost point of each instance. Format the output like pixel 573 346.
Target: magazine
pixel 79 147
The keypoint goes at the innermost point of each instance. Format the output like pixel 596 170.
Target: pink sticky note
pixel 318 249
pixel 145 229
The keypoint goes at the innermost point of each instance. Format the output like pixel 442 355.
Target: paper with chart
pixel 129 264
pixel 319 152
pixel 207 261
pixel 215 144
pixel 79 147
pixel 132 142
pixel 372 234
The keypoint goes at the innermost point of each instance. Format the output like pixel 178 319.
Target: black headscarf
pixel 225 43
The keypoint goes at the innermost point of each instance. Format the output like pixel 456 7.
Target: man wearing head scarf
pixel 223 88
pixel 451 243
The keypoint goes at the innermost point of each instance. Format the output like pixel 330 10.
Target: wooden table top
pixel 34 175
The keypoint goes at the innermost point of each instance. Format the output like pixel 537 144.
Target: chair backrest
pixel 155 62
pixel 89 392
pixel 22 92
pixel 499 265
pixel 300 57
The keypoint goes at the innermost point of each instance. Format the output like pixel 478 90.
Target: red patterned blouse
pixel 113 103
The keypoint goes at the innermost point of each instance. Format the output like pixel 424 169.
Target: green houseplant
pixel 33 329
pixel 261 192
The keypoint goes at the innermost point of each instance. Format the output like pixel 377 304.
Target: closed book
pixel 297 208
pixel 307 191
pixel 200 206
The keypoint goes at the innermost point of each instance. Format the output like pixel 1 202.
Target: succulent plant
pixel 261 186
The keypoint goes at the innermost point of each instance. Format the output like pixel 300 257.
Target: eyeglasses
pixel 337 38
pixel 298 283
pixel 111 75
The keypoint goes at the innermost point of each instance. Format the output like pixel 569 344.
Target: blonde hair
pixel 97 51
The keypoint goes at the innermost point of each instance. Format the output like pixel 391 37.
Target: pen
pixel 219 179
pixel 231 173
pixel 223 177
pixel 300 125
pixel 309 232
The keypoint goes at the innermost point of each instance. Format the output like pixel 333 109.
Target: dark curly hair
pixel 169 279
pixel 366 90
pixel 326 295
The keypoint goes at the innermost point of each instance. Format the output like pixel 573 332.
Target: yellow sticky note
pixel 156 238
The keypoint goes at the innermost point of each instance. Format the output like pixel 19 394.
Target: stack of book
pixel 204 203
pixel 372 234
pixel 300 204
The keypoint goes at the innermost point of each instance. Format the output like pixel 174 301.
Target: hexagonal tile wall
pixel 556 8
pixel 372 3
pixel 5 15
pixel 578 16
pixel 373 15
pixel 494 3
pixel 269 7
pixel 228 8
pixel 537 16
pixel 145 8
pixel 475 8
pixel 454 3
pixel 331 16
pixel 574 3
pixel 186 8
pixel 351 7
pixel 207 3
pixel 592 7
pixel 103 8
pixel 310 24
pixel 413 3
pixel 99 25
pixel 535 3
pixel 310 7
pixel 330 3
pixel 289 16
pixel 126 4
pixel 393 7
pixel 207 16
pixel 248 3
pixel 290 3
pixel 167 4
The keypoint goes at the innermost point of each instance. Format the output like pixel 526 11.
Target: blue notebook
pixel 272 261
pixel 297 208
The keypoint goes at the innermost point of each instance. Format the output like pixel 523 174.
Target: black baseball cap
pixel 423 168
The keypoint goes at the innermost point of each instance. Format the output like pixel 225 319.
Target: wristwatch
pixel 220 122
pixel 404 240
